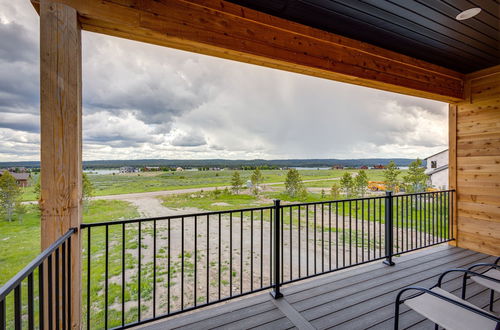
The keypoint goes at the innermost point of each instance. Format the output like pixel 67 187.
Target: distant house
pixel 150 168
pixel 337 167
pixel 364 167
pixel 379 167
pixel 437 169
pixel 128 169
pixel 21 178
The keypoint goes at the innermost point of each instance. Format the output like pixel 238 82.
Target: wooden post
pixel 61 134
pixel 452 165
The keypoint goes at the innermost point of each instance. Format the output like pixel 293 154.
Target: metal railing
pixel 39 294
pixel 136 271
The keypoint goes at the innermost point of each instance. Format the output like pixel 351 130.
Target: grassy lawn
pixel 146 182
pixel 20 240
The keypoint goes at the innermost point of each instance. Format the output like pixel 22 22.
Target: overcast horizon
pixel 142 101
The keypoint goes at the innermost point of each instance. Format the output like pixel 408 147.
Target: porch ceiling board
pixel 228 30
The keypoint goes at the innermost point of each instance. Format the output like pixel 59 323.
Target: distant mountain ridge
pixel 222 163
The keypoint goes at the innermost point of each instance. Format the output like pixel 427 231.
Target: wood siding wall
pixel 475 162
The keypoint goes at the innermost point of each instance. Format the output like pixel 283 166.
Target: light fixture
pixel 469 13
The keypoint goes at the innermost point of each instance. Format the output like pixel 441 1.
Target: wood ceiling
pixel 423 29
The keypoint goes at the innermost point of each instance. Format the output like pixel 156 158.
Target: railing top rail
pixel 21 275
pixel 364 198
pixel 176 216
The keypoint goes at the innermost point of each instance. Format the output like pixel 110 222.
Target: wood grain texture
pixel 61 130
pixel 476 137
pixel 227 30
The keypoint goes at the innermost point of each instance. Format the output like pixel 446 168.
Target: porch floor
pixel 356 298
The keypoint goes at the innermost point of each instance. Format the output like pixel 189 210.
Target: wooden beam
pixel 61 134
pixel 227 30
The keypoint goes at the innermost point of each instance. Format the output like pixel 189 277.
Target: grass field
pixel 158 181
pixel 20 240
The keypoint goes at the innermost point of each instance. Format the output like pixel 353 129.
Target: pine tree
pixel 335 191
pixel 256 180
pixel 391 174
pixel 10 196
pixel 236 182
pixel 293 183
pixel 346 183
pixel 416 179
pixel 360 183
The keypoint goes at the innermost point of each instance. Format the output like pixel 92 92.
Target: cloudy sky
pixel 143 101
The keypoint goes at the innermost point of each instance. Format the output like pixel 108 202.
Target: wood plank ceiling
pixel 423 29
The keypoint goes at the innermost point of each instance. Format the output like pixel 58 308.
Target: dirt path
pixel 184 191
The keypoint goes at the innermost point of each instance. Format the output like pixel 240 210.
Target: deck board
pixel 357 298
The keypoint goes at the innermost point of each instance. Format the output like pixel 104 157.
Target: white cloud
pixel 144 101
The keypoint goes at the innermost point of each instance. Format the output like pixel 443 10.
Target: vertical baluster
pixel 261 248
pixel 241 252
pixel 230 254
pixel 195 261
pixel 18 307
pixel 41 298
pixel 290 210
pixel 63 282
pixel 139 261
pixel 343 234
pixel 330 236
pixel 68 284
pixel 208 259
pixel 276 292
pixel 350 233
pixel 357 231
pixel 322 237
pixel 271 219
pixel 3 315
pixel 31 310
pixel 106 277
pixel 299 240
pixel 282 248
pixel 57 279
pixel 363 231
pixel 336 234
pixel 182 263
pixel 169 275
pixel 220 255
pixel 123 275
pixel 154 268
pixel 307 240
pixel 50 292
pixel 315 244
pixel 368 229
pixel 251 250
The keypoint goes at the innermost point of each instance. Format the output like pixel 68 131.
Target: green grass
pixel 146 182
pixel 20 240
pixel 210 200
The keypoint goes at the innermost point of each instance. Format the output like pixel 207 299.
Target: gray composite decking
pixel 356 298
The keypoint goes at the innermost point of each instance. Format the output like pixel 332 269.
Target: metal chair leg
pixel 492 297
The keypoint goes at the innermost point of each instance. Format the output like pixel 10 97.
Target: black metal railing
pixel 39 295
pixel 136 271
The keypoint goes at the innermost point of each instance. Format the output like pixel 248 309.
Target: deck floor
pixel 356 298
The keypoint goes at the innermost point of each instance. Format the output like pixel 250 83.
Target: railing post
pixel 389 225
pixel 276 251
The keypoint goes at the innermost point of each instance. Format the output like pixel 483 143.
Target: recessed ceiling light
pixel 469 13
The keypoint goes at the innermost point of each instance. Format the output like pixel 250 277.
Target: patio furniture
pixel 493 271
pixel 445 309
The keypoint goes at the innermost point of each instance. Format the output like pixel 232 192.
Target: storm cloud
pixel 144 101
